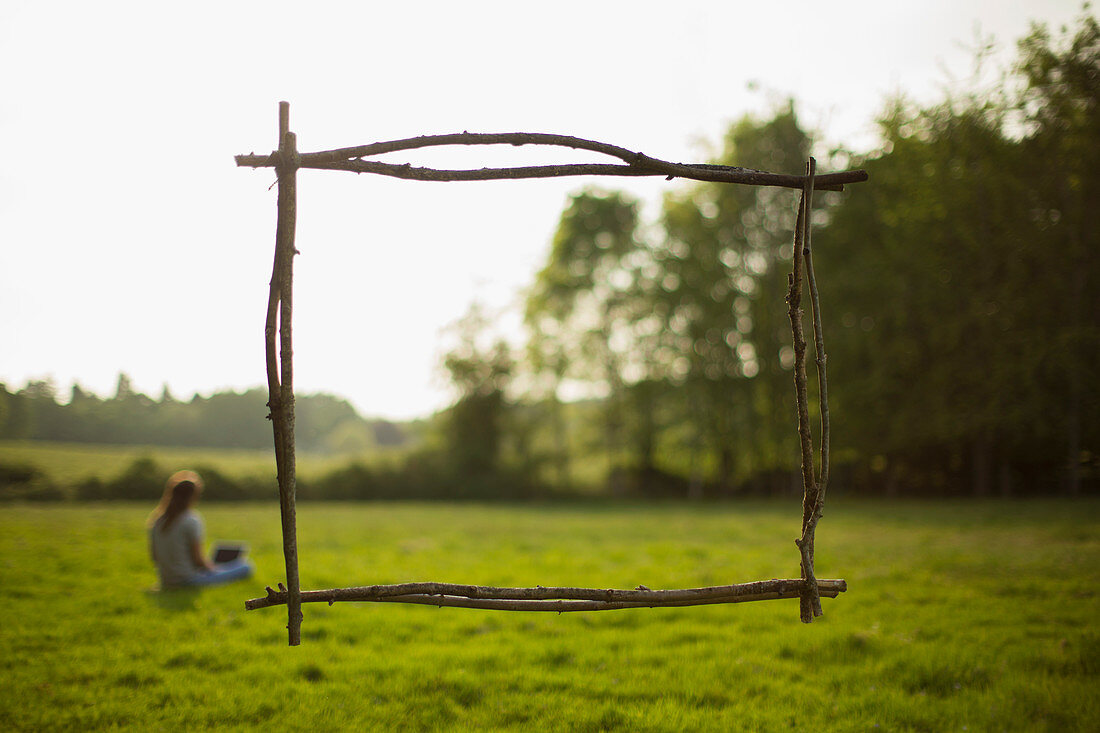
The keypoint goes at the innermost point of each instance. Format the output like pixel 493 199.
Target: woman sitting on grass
pixel 176 539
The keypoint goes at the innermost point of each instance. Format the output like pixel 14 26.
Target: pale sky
pixel 129 240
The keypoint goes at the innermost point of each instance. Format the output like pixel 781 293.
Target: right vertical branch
pixel 809 523
pixel 822 381
pixel 812 491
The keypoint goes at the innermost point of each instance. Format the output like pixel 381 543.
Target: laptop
pixel 228 552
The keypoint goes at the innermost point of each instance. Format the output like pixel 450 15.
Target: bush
pixel 220 487
pixel 143 480
pixel 27 483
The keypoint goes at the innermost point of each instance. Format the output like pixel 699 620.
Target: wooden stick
pixel 283 410
pixel 535 138
pixel 820 358
pixel 648 168
pixel 274 388
pixel 475 138
pixel 794 312
pixel 551 599
pixel 637 164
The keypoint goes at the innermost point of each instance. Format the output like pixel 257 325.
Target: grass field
pixel 959 616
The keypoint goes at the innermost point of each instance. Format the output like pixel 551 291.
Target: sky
pixel 130 242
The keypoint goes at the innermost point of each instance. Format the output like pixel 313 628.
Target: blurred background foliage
pixel 960 297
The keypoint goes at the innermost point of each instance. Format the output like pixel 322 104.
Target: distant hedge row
pixel 420 476
pixel 143 480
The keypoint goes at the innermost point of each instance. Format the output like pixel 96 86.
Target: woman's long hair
pixel 180 492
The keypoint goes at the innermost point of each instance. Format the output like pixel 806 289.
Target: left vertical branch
pixel 278 333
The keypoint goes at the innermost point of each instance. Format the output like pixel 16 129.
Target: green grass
pixel 960 616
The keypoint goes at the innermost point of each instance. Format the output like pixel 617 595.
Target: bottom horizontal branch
pixel 553 599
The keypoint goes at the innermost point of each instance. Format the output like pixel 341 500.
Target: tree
pixel 15 418
pixel 930 265
pixel 474 425
pixel 1061 106
pixel 124 387
pixel 580 310
pixel 722 283
pixel 967 338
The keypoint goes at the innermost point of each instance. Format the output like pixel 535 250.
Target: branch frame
pixel 279 368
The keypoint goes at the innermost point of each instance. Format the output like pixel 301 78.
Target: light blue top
pixel 171 549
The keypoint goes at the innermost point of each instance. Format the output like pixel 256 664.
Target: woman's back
pixel 173 548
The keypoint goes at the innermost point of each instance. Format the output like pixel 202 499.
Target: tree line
pixel 326 424
pixel 960 292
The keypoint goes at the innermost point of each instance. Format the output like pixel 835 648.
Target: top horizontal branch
pixel 637 164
